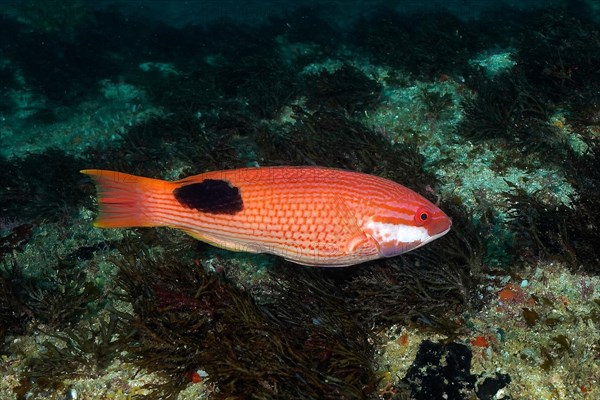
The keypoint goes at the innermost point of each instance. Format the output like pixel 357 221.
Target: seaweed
pixel 584 115
pixel 425 45
pixel 58 298
pixel 531 223
pixel 557 232
pixel 508 109
pixel 186 93
pixel 13 236
pixel 85 350
pixel 62 298
pixel 347 89
pixel 188 320
pixel 263 82
pixel 41 186
pixel 567 232
pixel 14 314
pixel 435 103
pixel 383 37
pixel 440 43
pixel 559 55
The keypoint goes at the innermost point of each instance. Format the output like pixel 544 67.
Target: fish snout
pixel 439 225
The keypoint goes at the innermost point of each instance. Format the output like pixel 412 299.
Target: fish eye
pixel 422 216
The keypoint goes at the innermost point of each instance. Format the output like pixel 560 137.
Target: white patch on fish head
pixel 394 238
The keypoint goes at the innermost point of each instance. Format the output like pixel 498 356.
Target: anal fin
pixel 221 242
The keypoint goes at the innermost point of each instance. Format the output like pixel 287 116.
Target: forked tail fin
pixel 125 200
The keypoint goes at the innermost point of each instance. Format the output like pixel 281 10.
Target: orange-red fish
pixel 308 215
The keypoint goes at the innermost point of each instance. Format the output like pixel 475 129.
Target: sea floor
pixel 495 119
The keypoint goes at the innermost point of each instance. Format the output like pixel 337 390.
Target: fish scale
pixel 308 215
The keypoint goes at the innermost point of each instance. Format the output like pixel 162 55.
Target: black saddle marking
pixel 212 196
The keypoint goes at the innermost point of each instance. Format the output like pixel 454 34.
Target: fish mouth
pixel 432 238
pixel 438 226
pixel 439 235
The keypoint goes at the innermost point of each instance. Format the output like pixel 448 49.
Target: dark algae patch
pixel 185 319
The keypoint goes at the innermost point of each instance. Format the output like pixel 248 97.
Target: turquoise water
pixel 491 112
